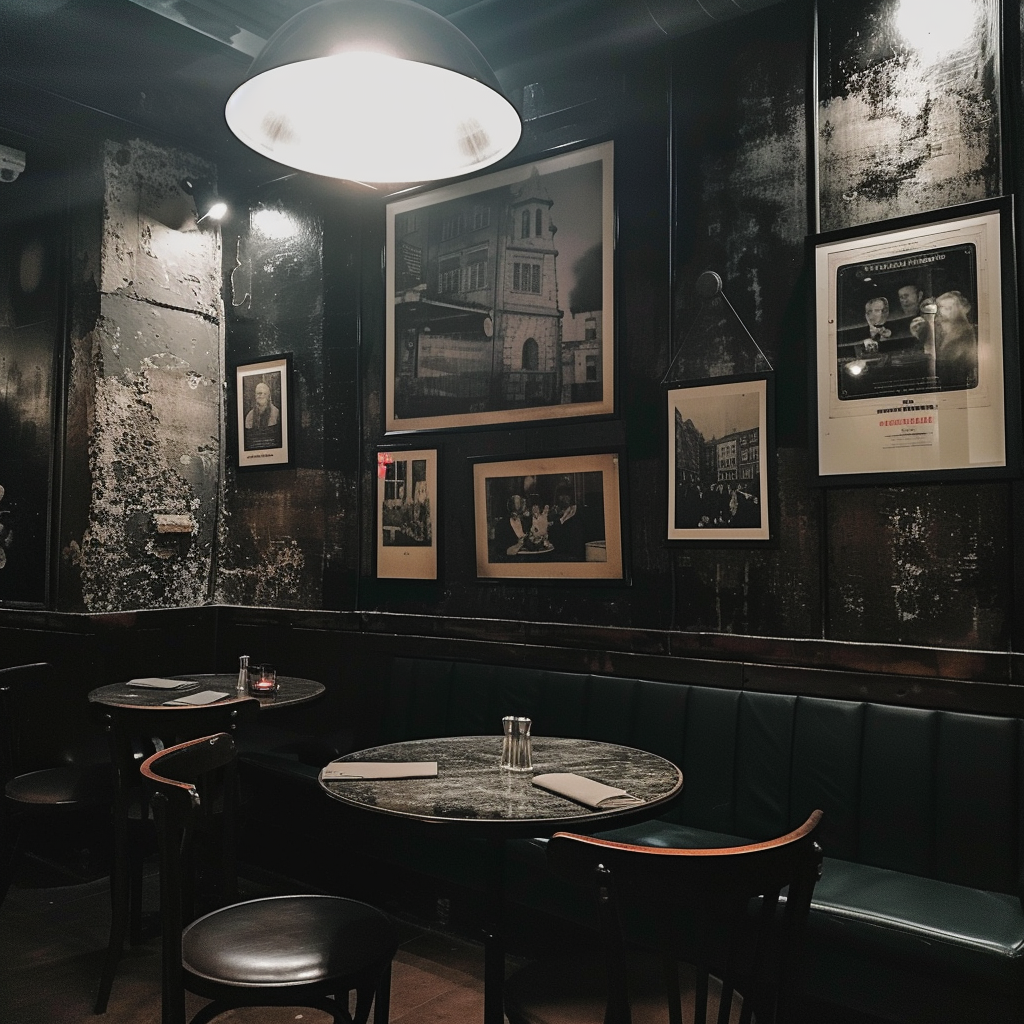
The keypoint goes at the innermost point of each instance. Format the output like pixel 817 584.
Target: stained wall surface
pixel 145 381
pixel 722 163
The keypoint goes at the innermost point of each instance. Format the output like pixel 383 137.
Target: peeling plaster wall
pixel 145 397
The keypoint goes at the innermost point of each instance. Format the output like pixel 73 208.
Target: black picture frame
pixel 720 443
pixel 933 394
pixel 567 524
pixel 480 328
pixel 266 444
pixel 408 520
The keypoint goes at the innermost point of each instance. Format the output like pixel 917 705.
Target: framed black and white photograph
pixel 915 362
pixel 500 297
pixel 553 518
pixel 262 409
pixel 407 520
pixel 718 453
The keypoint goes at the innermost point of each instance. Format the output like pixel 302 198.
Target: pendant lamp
pixel 373 91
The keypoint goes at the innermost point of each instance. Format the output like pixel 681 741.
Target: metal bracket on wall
pixel 708 288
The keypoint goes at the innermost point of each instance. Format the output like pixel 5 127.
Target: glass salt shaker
pixel 242 687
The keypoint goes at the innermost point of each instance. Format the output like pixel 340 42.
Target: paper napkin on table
pixel 153 683
pixel 202 697
pixel 380 770
pixel 586 791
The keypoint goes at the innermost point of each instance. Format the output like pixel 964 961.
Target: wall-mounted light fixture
pixel 373 91
pixel 208 203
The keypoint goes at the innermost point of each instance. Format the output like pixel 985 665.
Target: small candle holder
pixel 263 681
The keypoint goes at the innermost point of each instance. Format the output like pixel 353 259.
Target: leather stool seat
pixel 90 786
pixel 286 940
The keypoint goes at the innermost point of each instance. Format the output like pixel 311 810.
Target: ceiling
pixel 168 66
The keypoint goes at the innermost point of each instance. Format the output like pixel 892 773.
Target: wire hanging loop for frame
pixel 708 288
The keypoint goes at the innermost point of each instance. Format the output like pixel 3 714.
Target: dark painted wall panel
pixel 921 565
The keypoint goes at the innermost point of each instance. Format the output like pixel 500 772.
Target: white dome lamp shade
pixel 373 91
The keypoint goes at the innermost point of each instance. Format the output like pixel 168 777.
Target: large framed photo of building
pixel 718 461
pixel 916 369
pixel 553 518
pixel 407 540
pixel 500 297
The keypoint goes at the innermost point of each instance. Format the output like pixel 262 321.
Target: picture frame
pixel 263 412
pixel 489 322
pixel 407 514
pixel 915 374
pixel 719 460
pixel 556 518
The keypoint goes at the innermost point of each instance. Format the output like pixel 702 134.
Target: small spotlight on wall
pixel 208 204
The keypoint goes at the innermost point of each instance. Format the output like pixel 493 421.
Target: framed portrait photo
pixel 407 520
pixel 554 518
pixel 719 450
pixel 263 412
pixel 916 374
pixel 500 297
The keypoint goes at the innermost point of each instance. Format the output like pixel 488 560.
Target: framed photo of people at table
pixel 556 518
pixel 407 522
pixel 263 412
pixel 719 451
pixel 491 317
pixel 916 375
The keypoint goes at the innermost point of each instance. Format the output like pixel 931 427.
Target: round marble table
pixel 472 795
pixel 291 690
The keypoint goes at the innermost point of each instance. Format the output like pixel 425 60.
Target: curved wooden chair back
pixel 738 914
pixel 134 733
pixel 195 801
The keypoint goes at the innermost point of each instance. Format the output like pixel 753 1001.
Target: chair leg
pixel 120 910
pixel 382 997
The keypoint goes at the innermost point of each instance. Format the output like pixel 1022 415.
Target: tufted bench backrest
pixel 933 793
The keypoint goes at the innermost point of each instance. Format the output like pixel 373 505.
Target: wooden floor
pixel 52 939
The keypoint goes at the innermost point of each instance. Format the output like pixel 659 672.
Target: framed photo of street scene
pixel 407 514
pixel 916 375
pixel 553 518
pixel 719 450
pixel 500 297
pixel 263 412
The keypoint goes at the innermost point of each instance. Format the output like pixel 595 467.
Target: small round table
pixel 471 795
pixel 291 690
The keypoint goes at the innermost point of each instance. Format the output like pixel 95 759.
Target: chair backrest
pixel 194 801
pixel 134 732
pixel 737 913
pixel 43 721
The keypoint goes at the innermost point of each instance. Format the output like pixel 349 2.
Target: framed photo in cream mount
pixel 916 375
pixel 407 520
pixel 556 518
pixel 263 412
pixel 500 297
pixel 719 458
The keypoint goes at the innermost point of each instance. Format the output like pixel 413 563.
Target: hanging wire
pixel 708 288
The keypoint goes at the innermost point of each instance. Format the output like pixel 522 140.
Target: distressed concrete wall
pixel 144 404
pixel 272 533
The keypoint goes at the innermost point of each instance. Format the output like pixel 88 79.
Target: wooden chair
pixel 275 951
pixel 736 916
pixel 55 785
pixel 133 733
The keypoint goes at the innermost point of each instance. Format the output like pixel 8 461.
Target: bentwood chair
pixel 717 930
pixel 56 789
pixel 133 733
pixel 275 951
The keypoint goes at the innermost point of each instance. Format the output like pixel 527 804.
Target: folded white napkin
pixel 154 683
pixel 380 770
pixel 586 791
pixel 202 697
